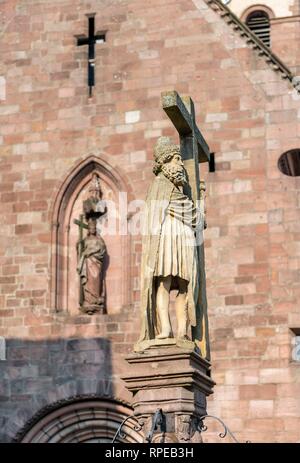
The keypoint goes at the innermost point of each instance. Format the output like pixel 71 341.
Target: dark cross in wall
pixel 194 150
pixel 91 40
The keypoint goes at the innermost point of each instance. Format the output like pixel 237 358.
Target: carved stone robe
pixel 160 250
pixel 90 269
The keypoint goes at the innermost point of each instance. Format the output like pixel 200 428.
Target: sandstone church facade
pixel 62 136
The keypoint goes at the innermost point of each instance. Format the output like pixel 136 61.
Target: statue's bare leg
pixel 181 309
pixel 162 306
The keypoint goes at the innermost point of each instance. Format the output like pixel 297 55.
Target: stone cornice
pixel 285 19
pixel 157 368
pixel 252 40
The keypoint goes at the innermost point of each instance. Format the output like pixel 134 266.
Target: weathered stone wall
pixel 284 36
pixel 40 373
pixel 248 115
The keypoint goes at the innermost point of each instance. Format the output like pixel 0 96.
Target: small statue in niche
pixel 90 269
pixel 94 207
pixel 92 253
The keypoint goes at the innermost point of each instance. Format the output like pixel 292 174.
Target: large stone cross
pixel 194 150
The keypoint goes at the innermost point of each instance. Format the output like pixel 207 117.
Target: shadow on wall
pixel 38 374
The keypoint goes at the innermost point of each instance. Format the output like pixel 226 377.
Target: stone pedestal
pixel 172 379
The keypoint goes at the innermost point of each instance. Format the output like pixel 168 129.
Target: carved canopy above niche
pixel 68 209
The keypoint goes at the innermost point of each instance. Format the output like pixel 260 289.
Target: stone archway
pixel 86 420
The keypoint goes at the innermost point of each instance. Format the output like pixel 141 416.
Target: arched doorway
pixel 81 421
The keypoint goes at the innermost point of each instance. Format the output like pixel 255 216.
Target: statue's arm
pixel 199 220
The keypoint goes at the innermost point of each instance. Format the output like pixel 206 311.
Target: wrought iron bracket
pixel 157 420
pixel 137 427
pixel 202 428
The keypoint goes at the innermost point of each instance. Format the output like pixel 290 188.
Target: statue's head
pixel 95 188
pixel 92 203
pixel 92 227
pixel 168 160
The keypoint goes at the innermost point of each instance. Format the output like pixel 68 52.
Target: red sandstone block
pixel 289 407
pixel 56 330
pixel 7 280
pixel 24 196
pixel 263 284
pixel 253 269
pixel 265 332
pixel 243 280
pixel 13 321
pixel 8 289
pixel 8 197
pixel 38 205
pixel 112 327
pixel 6 260
pixel 263 425
pixel 13 303
pixel 289 390
pixel 261 391
pixel 122 348
pixel 32 320
pixel 116 337
pixel 284 307
pixel 13 139
pixel 6 187
pixel 23 294
pixel 34 250
pixel 23 229
pixel 275 375
pixel 66 92
pixel 7 313
pixel 256 298
pixel 10 269
pixel 261 252
pixel 285 352
pixel 234 300
pixel 40 331
pixel 20 207
pixel 44 237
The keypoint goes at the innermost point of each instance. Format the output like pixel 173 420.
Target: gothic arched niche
pixel 76 189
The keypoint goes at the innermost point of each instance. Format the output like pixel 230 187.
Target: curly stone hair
pixel 163 152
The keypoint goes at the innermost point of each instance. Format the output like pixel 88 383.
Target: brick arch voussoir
pixel 257 7
pixel 115 404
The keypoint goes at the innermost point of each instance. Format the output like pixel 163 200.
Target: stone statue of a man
pixel 169 250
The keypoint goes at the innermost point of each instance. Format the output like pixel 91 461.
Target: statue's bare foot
pixel 163 335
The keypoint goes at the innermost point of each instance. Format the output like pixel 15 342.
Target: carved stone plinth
pixel 92 309
pixel 175 380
